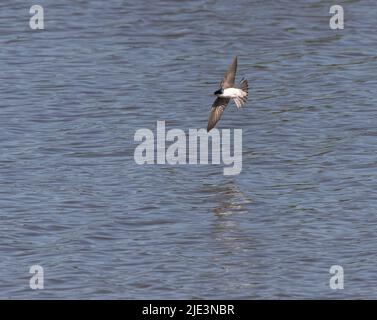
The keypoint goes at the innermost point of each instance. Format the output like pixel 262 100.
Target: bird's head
pixel 218 92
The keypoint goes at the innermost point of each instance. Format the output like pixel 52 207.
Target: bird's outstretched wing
pixel 217 110
pixel 230 75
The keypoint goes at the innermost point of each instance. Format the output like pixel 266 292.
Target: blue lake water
pixel 73 200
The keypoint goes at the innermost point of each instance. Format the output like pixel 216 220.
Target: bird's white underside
pixel 236 94
pixel 233 93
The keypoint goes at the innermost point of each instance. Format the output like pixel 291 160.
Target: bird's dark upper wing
pixel 217 110
pixel 230 75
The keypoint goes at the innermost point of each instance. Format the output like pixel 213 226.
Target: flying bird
pixel 226 92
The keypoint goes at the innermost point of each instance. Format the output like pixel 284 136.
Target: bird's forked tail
pixel 241 100
pixel 244 86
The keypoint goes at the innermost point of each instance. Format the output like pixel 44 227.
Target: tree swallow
pixel 226 92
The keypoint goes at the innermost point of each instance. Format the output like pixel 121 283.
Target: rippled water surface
pixel 73 200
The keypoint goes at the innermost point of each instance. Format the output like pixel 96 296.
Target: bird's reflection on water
pixel 231 200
